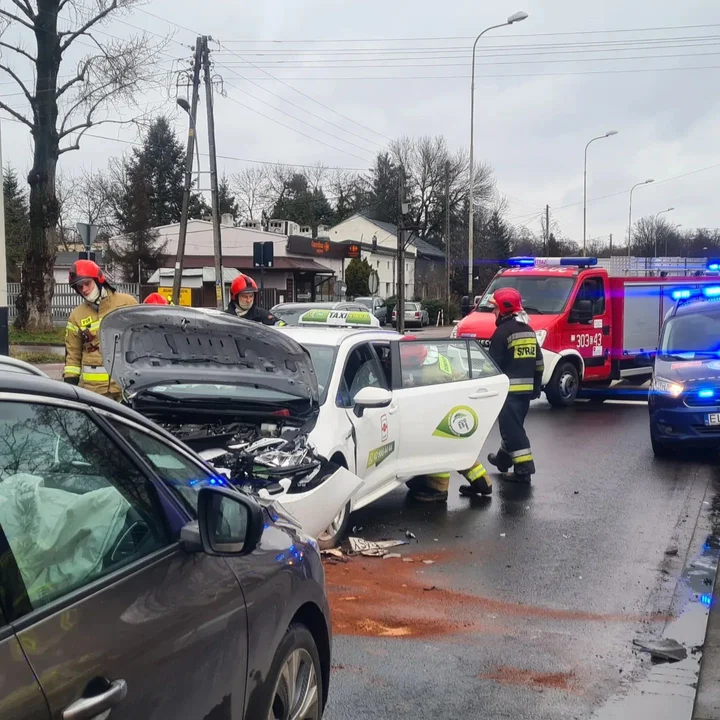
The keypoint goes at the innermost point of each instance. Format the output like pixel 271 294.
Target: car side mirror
pixel 371 397
pixel 229 523
pixel 582 312
pixel 645 358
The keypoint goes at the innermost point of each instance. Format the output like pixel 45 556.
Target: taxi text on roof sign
pixel 336 317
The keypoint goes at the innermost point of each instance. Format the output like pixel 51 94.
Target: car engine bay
pixel 266 456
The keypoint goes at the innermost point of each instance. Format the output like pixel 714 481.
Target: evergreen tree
pixel 383 204
pixel 553 246
pixel 138 250
pixel 357 276
pixel 226 199
pixel 302 205
pixel 17 223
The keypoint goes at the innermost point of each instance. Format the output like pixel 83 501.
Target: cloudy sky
pixel 379 69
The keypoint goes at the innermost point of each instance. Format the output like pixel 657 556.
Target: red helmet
pixel 242 284
pixel 155 299
pixel 86 270
pixel 508 300
pixel 412 356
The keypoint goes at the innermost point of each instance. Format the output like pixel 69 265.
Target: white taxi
pixel 382 423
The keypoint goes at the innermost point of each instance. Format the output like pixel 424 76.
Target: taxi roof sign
pixel 337 318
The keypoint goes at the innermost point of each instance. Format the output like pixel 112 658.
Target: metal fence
pixel 64 300
pixel 649 267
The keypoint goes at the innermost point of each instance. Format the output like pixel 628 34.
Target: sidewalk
pixel 707 700
pixel 53 370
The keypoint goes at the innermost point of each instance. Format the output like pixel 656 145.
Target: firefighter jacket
pixel 82 343
pixel 255 314
pixel 516 351
pixel 434 371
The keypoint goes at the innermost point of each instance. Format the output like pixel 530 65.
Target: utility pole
pixel 447 236
pixel 4 311
pixel 610 244
pixel 546 237
pixel 217 240
pixel 400 306
pixel 192 112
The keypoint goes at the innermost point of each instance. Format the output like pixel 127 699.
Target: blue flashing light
pixel 706 599
pixel 713 265
pixel 712 291
pixel 680 294
pixel 521 262
pixel 706 393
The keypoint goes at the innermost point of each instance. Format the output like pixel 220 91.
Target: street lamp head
pixel 669 209
pixel 184 104
pixel 649 180
pixel 611 133
pixel 517 17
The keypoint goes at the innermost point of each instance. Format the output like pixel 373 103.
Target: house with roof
pixel 424 263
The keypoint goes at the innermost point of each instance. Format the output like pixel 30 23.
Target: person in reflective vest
pixel 420 365
pixel 83 360
pixel 243 302
pixel 516 351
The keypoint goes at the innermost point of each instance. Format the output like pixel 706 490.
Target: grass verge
pixel 36 358
pixel 24 337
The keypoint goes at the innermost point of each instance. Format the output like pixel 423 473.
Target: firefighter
pixel 83 361
pixel 427 366
pixel 516 351
pixel 243 296
pixel 156 299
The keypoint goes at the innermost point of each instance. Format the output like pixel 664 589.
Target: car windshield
pixel 323 359
pixel 367 302
pixel 541 295
pixel 412 307
pixel 686 337
pixel 291 314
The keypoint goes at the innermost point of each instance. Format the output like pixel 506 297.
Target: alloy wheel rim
pixel 296 695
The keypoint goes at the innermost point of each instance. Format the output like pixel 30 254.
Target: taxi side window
pixel 593 289
pixel 361 370
pixel 385 357
pixel 433 362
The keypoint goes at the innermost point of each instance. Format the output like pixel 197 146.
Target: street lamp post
pixel 655 229
pixel 644 182
pixel 516 17
pixel 608 134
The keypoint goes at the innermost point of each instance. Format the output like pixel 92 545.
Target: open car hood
pixel 147 346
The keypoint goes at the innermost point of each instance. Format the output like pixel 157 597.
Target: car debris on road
pixel 662 649
pixel 377 548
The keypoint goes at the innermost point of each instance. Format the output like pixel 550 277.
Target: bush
pixel 450 311
pixel 390 304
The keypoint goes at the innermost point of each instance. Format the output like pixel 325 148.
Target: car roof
pixel 33 385
pixel 697 306
pixel 334 336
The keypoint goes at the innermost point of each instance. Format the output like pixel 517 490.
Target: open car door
pixel 449 394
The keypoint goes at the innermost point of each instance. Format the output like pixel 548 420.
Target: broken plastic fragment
pixel 662 649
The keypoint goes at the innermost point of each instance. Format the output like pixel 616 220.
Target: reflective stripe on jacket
pixel 82 343
pixel 516 351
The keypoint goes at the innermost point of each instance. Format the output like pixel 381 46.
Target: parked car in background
pixel 136 581
pixel 415 315
pixel 290 313
pixel 376 305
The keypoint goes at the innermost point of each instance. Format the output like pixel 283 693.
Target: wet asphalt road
pixel 534 597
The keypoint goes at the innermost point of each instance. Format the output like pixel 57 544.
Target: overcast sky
pixel 532 130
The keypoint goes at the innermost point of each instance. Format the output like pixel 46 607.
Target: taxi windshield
pixel 541 295
pixel 691 336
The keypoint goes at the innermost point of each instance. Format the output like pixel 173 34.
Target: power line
pixel 223 157
pixel 472 37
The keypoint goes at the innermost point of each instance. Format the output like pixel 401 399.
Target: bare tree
pixel 93 199
pixel 60 114
pixel 251 188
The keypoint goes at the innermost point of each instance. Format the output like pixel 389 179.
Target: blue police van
pixel 684 399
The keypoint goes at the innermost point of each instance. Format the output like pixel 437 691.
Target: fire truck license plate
pixel 712 419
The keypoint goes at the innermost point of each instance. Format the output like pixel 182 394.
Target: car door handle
pixel 97 706
pixel 393 409
pixel 482 393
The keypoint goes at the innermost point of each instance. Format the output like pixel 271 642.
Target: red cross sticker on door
pixel 383 428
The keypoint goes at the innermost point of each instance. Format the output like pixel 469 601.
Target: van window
pixel 593 289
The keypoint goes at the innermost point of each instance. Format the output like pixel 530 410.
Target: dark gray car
pixel 135 582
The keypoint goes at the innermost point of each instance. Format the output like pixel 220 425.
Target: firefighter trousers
pixel 515 451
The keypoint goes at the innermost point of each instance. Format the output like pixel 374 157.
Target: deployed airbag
pixel 59 538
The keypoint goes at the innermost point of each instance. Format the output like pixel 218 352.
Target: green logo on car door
pixel 376 456
pixel 460 422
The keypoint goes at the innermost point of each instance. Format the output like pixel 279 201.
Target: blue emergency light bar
pixel 529 261
pixel 713 265
pixel 712 291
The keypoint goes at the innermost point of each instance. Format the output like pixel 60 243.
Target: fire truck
pixel 594 328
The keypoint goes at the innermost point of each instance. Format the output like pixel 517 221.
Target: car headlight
pixel 453 332
pixel 541 335
pixel 667 387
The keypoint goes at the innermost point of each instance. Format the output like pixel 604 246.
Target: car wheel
pixel 296 678
pixel 659 448
pixel 563 387
pixel 335 533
